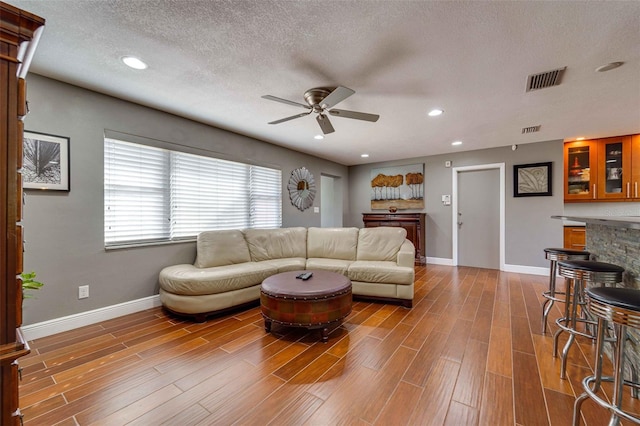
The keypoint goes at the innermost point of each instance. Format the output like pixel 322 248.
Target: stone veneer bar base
pixel 620 246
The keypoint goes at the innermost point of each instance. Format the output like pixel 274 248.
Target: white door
pixel 478 221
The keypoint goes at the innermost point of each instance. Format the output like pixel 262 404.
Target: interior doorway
pixel 330 202
pixel 478 201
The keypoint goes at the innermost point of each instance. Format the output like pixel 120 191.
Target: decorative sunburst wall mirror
pixel 302 188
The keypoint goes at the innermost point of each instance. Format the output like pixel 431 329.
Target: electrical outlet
pixel 83 292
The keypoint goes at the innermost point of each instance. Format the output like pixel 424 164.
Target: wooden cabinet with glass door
pixel 602 169
pixel 614 168
pixel 580 171
pixel 635 168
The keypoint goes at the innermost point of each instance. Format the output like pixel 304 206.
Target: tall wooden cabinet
pixel 19 33
pixel 414 223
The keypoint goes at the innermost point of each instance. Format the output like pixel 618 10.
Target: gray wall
pixel 64 231
pixel 529 228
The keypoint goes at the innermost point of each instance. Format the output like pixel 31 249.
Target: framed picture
pixel 398 187
pixel 45 162
pixel 532 180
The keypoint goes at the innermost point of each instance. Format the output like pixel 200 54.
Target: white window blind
pixel 265 197
pixel 207 193
pixel 135 193
pixel 154 194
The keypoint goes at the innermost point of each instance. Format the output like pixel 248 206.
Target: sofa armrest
pixel 407 254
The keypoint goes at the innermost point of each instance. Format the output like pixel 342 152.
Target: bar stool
pixel 621 306
pixel 554 255
pixel 579 274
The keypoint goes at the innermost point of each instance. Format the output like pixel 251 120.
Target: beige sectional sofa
pixel 231 265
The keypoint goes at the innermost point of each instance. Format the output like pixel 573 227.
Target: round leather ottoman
pixel 319 302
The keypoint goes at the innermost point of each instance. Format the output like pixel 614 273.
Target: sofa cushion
pixel 380 272
pixel 334 265
pixel 286 265
pixel 190 280
pixel 219 248
pixel 382 243
pixel 332 243
pixel 266 244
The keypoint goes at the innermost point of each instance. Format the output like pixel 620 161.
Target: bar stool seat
pixel 580 273
pixel 620 306
pixel 551 295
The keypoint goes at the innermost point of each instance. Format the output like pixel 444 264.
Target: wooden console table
pixel 414 223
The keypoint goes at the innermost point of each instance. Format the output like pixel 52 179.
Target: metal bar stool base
pixel 620 306
pixel 579 273
pixel 551 295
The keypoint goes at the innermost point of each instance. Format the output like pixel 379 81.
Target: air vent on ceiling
pixel 545 79
pixel 531 129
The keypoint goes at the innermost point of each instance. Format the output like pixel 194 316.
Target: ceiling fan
pixel 319 100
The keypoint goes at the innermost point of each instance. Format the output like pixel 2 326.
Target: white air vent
pixel 531 129
pixel 545 79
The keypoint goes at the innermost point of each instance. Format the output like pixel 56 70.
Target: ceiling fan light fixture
pixel 135 63
pixel 435 112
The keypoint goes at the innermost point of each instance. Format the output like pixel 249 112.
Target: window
pixel 153 194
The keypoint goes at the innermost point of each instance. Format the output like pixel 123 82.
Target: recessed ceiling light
pixel 318 137
pixel 609 67
pixel 580 139
pixel 135 63
pixel 364 155
pixel 435 112
pixel 456 143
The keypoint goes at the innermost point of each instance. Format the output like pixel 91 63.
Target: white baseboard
pixel 439 261
pixel 58 325
pixel 533 270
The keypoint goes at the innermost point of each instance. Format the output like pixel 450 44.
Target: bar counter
pixel 616 240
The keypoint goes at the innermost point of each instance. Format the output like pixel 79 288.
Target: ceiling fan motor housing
pixel 315 96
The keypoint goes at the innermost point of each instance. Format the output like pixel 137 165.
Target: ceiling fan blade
pixel 285 101
pixel 354 114
pixel 339 94
pixel 325 124
pixel 282 120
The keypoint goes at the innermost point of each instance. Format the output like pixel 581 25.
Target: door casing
pixel 454 209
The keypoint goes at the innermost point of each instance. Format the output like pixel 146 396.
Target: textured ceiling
pixel 211 61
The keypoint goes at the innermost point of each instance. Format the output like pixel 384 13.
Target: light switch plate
pixel 447 163
pixel 316 209
pixel 446 200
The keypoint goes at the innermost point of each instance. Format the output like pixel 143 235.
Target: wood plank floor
pixel 470 352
